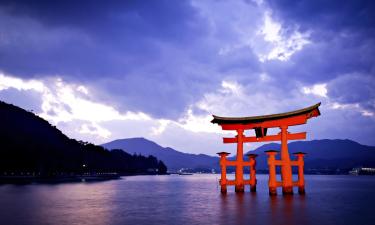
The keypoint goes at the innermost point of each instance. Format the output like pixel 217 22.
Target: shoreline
pixel 30 179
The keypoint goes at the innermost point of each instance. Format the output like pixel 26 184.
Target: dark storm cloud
pixel 159 57
pixel 342 35
pixel 239 61
pixel 105 38
pixel 325 60
pixel 335 15
pixel 354 89
pixel 140 52
pixel 163 19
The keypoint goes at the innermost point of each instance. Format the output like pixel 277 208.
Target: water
pixel 188 200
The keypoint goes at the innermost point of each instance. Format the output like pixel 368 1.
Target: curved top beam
pixel 312 111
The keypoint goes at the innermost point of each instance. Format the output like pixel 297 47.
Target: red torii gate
pixel 260 124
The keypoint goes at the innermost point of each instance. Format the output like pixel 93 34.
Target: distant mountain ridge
pixel 321 154
pixel 174 159
pixel 325 153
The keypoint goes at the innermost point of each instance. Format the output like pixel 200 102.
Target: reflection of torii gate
pixel 260 124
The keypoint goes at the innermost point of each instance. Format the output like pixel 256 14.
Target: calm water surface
pixel 187 200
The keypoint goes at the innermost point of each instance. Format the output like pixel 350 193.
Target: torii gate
pixel 260 124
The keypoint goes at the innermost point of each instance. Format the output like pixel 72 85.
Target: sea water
pixel 194 199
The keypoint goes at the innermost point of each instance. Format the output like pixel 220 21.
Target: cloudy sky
pixel 104 70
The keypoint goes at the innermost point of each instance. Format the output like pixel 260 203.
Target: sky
pixel 106 70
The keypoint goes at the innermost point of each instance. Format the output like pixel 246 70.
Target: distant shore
pixel 61 178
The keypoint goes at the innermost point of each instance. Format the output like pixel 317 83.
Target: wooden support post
pixel 272 183
pixel 223 165
pixel 253 180
pixel 239 187
pixel 301 178
pixel 286 167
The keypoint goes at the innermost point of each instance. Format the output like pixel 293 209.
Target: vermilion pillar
pixel 286 167
pixel 253 180
pixel 239 183
pixel 301 178
pixel 223 165
pixel 272 183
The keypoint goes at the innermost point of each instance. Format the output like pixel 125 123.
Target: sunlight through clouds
pixel 279 45
pixel 198 123
pixel 17 83
pixel 316 89
pixel 68 103
pixel 157 130
pixel 65 102
pixel 352 107
pixel 94 129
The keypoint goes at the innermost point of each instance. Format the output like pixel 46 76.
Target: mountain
pixel 324 154
pixel 174 160
pixel 30 144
